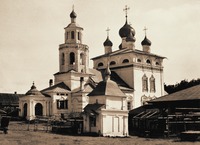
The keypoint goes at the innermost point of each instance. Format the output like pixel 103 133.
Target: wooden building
pixel 169 115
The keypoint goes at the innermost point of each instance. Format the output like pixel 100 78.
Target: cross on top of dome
pixel 126 10
pixel 145 30
pixel 108 31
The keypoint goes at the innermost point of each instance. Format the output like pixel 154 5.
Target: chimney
pixel 81 83
pixel 50 82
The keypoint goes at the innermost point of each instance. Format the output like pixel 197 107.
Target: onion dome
pixel 120 46
pixel 130 38
pixel 146 41
pixel 126 30
pixel 73 14
pixel 33 91
pixel 108 42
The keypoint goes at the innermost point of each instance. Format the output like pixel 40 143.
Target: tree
pixel 184 84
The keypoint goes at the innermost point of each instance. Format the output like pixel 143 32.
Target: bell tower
pixel 73 55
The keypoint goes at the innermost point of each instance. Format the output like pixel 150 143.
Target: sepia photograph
pixel 98 72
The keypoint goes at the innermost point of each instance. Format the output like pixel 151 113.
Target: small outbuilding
pixel 106 114
pixel 34 103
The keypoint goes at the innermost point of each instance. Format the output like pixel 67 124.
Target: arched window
pixel 38 109
pixel 144 83
pixel 72 58
pixel 112 63
pixel 63 59
pixel 152 84
pixel 79 37
pixel 157 63
pixel 125 61
pixel 72 34
pixel 148 61
pixel 128 105
pixel 25 110
pixel 82 59
pixel 100 64
pixel 139 60
pixel 67 35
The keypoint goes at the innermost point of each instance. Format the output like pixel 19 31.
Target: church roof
pixel 192 93
pixel 33 91
pixel 107 88
pixel 88 87
pixel 120 82
pixel 92 108
pixel 99 75
pixel 60 87
pixel 124 51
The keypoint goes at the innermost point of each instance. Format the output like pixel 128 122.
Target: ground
pixel 18 134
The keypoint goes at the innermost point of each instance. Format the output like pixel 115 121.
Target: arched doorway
pixel 38 109
pixel 25 110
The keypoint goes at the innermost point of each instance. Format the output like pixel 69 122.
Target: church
pixel 119 81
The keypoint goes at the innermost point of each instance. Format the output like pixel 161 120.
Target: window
pixel 63 59
pixel 93 121
pixel 62 104
pixel 138 60
pixel 82 59
pixel 100 64
pixel 148 61
pixel 125 61
pixel 72 58
pixel 128 105
pixel 67 34
pixel 144 83
pixel 112 63
pixel 72 34
pixel 157 63
pixel 152 84
pixel 79 38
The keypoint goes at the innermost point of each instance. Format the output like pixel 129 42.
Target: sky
pixel 31 31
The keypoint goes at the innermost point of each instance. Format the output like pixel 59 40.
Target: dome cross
pixel 108 31
pixel 145 30
pixel 126 10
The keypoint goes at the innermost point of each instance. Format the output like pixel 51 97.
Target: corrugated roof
pixel 9 99
pixel 192 93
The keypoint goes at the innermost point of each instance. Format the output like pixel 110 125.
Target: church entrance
pixel 25 110
pixel 38 109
